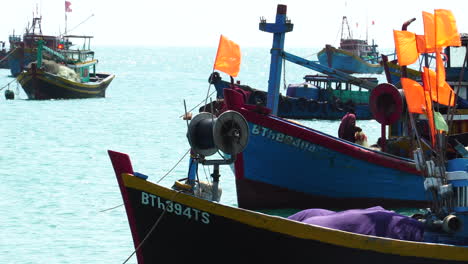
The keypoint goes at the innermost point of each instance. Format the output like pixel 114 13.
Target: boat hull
pixel 346 62
pixel 320 170
pixel 40 85
pixel 170 226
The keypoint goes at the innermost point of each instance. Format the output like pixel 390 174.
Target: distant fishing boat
pixel 319 97
pixel 23 49
pixel 3 56
pixel 353 55
pixel 71 75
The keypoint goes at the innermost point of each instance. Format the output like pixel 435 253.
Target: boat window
pixel 457 56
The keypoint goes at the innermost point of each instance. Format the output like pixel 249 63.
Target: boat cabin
pixel 79 58
pixel 324 87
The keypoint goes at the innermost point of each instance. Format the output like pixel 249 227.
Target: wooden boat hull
pixel 346 61
pixel 173 227
pixel 40 85
pixel 320 170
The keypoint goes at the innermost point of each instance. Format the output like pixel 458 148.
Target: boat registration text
pixel 175 208
pixel 285 139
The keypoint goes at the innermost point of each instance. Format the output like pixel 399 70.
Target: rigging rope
pixel 8 54
pixel 151 230
pixel 8 84
pixel 203 100
pixel 112 208
pixel 174 166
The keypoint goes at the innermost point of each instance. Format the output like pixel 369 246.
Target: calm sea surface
pixel 57 177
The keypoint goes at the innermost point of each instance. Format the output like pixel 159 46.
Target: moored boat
pixel 319 166
pixel 23 49
pixel 353 55
pixel 318 97
pixel 71 75
pixel 161 219
pixel 3 56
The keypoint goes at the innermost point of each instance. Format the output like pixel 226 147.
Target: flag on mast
pixel 228 57
pixel 67 6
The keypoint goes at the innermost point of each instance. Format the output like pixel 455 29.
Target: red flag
pixel 67 6
pixel 228 57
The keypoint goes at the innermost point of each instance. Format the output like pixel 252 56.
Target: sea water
pixel 58 185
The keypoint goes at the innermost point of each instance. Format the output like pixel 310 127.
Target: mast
pixel 279 29
pixel 344 23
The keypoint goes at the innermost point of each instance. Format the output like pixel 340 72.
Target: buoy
pixel 9 95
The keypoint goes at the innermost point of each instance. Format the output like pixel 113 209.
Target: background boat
pixel 353 55
pixel 71 75
pixel 23 49
pixel 318 97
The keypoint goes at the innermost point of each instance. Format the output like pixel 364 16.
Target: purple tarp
pixel 374 221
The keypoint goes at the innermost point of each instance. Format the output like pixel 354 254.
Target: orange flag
pixel 446 29
pixel 429 31
pixel 415 96
pixel 421 44
pixel 443 94
pixel 406 49
pixel 419 102
pixel 228 57
pixel 440 69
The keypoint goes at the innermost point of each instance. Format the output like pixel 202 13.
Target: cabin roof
pixel 77 36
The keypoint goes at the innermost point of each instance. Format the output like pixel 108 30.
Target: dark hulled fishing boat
pixel 72 74
pixel 23 49
pixel 173 225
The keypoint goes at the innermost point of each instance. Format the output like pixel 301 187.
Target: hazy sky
pixel 199 23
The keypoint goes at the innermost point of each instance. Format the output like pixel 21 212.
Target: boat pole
pixel 40 44
pixel 279 29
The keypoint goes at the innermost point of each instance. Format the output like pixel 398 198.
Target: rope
pixel 174 166
pixel 112 208
pixel 151 230
pixel 8 84
pixel 203 100
pixel 8 54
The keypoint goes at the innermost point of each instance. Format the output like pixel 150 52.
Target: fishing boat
pixel 287 164
pixel 3 56
pixel 70 75
pixel 161 219
pixel 353 55
pixel 318 97
pixel 190 213
pixel 23 49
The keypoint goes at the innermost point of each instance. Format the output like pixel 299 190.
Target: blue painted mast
pixel 279 29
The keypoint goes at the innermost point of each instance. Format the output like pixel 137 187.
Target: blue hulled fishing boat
pixel 352 56
pixel 320 169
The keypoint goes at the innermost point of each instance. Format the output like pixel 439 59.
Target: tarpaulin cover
pixel 375 221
